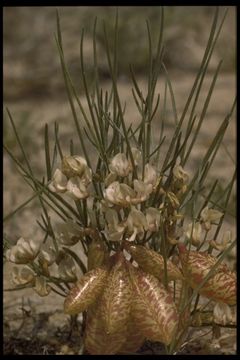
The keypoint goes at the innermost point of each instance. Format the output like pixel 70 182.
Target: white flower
pixel 67 269
pixel 142 191
pixel 209 216
pixel 194 232
pixel 119 194
pixel 136 223
pixel 153 218
pixel 120 165
pixel 74 166
pixel 22 276
pixel 41 286
pixel 47 255
pixel 114 230
pixel 226 239
pixel 59 182
pixel 150 175
pixel 180 174
pixel 23 252
pixel 136 155
pixel 222 314
pixel 68 233
pixel 73 179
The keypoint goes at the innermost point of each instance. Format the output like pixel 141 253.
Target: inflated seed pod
pixel 153 263
pixel 222 284
pixel 117 296
pixel 97 254
pixel 153 307
pixel 135 338
pixel 96 340
pixel 86 291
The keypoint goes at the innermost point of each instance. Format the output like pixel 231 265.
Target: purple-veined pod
pixel 117 296
pixel 135 338
pixel 153 263
pixel 96 340
pixel 86 291
pixel 222 284
pixel 153 307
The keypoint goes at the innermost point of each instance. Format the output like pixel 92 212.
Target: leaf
pixel 86 291
pixel 153 307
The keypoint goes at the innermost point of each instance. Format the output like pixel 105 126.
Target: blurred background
pixel 35 94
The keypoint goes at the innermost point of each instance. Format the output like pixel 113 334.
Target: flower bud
pixel 180 174
pixel 120 165
pixel 67 269
pixel 194 232
pixel 23 252
pixel 73 166
pixel 209 216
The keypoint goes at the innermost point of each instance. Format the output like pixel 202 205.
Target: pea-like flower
pixel 115 229
pixel 73 179
pixel 120 165
pixel 142 191
pixel 119 194
pixel 67 269
pixel 222 314
pixel 23 252
pixel 22 275
pixel 153 218
pixel 194 232
pixel 136 223
pixel 150 175
pixel 180 174
pixel 209 216
pixel 68 233
pixel 226 239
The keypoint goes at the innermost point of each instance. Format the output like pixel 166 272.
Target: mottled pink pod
pixel 222 284
pixel 96 340
pixel 153 307
pixel 153 263
pixel 135 338
pixel 117 297
pixel 86 291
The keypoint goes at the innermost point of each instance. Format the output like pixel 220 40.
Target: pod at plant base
pixel 96 340
pixel 117 296
pixel 220 287
pixel 153 263
pixel 153 307
pixel 86 291
pixel 135 338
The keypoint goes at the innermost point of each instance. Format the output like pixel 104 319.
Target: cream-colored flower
pixel 41 286
pixel 136 223
pixel 150 175
pixel 114 229
pixel 73 179
pixel 119 194
pixel 23 252
pixel 180 174
pixel 22 275
pixel 222 314
pixel 74 166
pixel 142 191
pixel 47 255
pixel 226 239
pixel 120 165
pixel 194 232
pixel 68 233
pixel 153 218
pixel 209 216
pixel 67 269
pixel 59 182
pixel 136 155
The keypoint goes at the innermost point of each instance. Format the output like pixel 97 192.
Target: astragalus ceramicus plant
pixel 148 228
